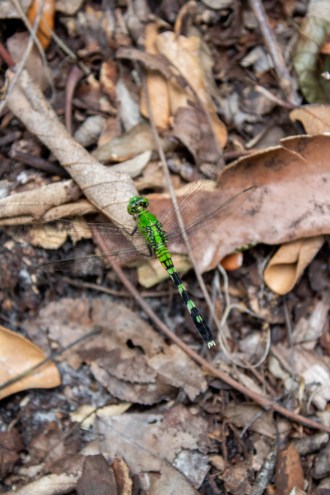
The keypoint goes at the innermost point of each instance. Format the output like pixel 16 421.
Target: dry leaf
pixel 18 356
pixel 134 142
pixel 185 54
pixel 149 441
pixel 96 473
pixel 232 261
pixel 314 118
pixel 34 64
pixel 90 130
pixel 46 24
pixel 85 415
pixel 51 484
pixel 10 445
pixel 236 479
pixel 287 265
pixel 289 471
pixel 156 84
pixel 312 325
pixel 33 205
pixel 313 369
pixel 129 374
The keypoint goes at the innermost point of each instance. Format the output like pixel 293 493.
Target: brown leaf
pixel 149 441
pixel 97 477
pixel 314 118
pixel 289 471
pixel 287 265
pixel 18 356
pixel 134 142
pixel 236 479
pixel 46 24
pixel 34 64
pixel 10 445
pixel 156 84
pixel 185 54
pixel 129 374
pixel 192 127
pixel 290 201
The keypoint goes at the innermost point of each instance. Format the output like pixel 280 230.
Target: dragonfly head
pixel 137 204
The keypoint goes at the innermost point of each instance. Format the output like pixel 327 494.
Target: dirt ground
pixel 106 386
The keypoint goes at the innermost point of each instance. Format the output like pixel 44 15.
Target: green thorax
pixel 147 223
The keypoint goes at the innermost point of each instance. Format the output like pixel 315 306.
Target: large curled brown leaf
pixel 290 200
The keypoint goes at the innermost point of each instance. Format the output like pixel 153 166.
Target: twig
pixel 263 401
pixel 39 163
pixel 111 292
pixel 284 78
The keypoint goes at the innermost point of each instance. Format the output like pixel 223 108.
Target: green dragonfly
pixel 154 238
pixel 152 231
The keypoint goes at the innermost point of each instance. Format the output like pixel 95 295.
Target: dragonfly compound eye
pixel 137 204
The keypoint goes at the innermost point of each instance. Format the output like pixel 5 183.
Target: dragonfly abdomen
pixel 165 259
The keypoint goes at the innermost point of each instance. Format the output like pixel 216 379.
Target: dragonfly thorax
pixel 137 204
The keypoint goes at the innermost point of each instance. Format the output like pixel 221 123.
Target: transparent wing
pixel 194 216
pixel 120 248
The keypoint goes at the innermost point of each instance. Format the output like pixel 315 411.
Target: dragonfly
pixel 153 232
pixel 155 236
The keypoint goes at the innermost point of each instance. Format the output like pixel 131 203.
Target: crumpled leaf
pixel 134 142
pixel 287 265
pixel 249 414
pixel 149 441
pixel 185 54
pixel 313 369
pixel 115 356
pixel 28 206
pixel 290 200
pixel 17 356
pixel 314 118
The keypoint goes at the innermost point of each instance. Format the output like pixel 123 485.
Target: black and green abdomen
pixel 205 332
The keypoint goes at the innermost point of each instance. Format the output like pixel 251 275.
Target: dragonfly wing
pixel 120 248
pixel 198 217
